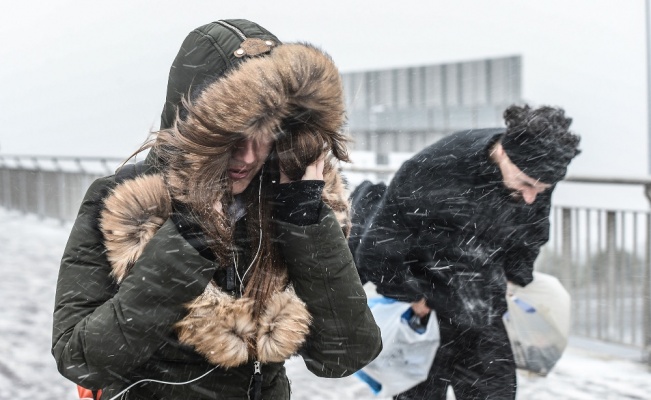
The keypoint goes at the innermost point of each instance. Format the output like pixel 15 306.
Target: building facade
pixel 402 110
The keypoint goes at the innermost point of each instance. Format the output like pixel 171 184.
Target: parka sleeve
pixel 344 336
pixel 100 331
pixel 388 239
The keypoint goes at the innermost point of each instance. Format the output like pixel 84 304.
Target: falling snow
pixel 30 251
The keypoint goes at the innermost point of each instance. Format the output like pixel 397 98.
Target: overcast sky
pixel 84 78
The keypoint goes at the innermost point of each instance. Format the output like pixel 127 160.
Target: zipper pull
pixel 255 391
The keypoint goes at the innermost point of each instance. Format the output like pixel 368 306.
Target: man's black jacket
pixel 448 230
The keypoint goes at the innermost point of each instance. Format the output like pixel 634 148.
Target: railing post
pixel 60 191
pixel 6 186
pixel 565 274
pixel 646 289
pixel 22 189
pixel 40 190
pixel 79 190
pixel 600 281
pixel 611 252
pixel 588 275
pixel 566 247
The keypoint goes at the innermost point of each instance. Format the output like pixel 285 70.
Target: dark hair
pixel 539 141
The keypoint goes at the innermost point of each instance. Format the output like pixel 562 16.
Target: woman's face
pixel 246 160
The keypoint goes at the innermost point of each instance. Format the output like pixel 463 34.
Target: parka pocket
pixel 471 301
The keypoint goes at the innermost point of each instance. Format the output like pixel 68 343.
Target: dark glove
pixel 299 202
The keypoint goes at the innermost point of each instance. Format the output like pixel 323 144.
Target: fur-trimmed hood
pixel 295 81
pixel 293 90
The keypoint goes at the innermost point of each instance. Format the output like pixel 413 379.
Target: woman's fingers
pixel 313 172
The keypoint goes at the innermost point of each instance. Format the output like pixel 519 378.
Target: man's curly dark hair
pixel 539 141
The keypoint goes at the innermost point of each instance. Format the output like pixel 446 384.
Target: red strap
pixel 87 394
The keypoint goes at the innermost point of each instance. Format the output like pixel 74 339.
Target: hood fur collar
pixel 296 90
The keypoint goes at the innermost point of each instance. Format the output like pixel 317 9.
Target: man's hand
pixel 313 172
pixel 420 308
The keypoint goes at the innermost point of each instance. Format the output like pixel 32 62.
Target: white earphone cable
pixel 257 253
pixel 157 381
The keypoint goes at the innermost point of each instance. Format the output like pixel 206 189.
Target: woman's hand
pixel 313 172
pixel 420 308
pixel 299 202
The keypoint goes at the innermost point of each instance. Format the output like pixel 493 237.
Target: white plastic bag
pixel 538 322
pixel 407 354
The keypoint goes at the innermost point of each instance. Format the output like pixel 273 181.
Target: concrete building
pixel 396 112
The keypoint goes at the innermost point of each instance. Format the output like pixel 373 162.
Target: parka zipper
pixel 255 389
pixel 232 28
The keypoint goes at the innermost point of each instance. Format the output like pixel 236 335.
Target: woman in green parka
pixel 198 275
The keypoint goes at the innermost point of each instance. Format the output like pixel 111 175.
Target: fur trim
pixel 133 213
pixel 283 327
pixel 255 98
pixel 219 327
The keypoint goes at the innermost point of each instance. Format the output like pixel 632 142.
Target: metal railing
pixel 50 187
pixel 602 257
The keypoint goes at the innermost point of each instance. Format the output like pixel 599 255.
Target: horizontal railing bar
pixel 609 180
pixel 61 158
pixel 602 209
pixel 377 170
pixel 615 180
pixel 571 178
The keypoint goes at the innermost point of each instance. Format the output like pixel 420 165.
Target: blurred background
pixel 83 84
pixel 88 79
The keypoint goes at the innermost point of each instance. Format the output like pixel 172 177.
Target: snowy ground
pixel 30 251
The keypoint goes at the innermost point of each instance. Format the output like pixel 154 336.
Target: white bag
pixel 407 355
pixel 538 322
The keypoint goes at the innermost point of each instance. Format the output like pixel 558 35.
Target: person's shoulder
pixel 470 139
pixel 103 181
pixel 368 188
pixel 457 146
pixel 100 187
